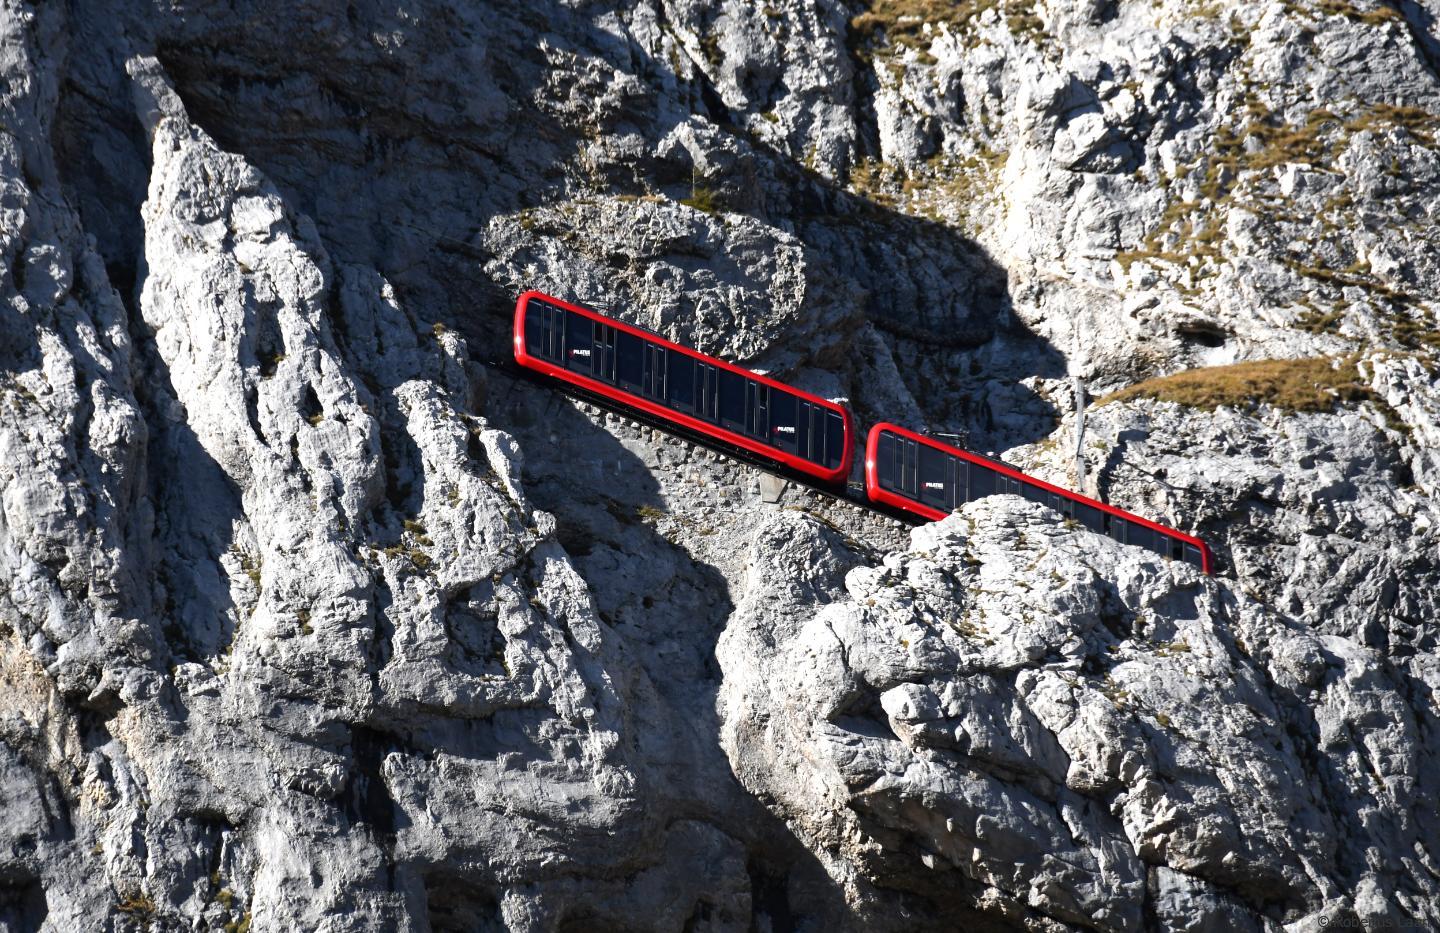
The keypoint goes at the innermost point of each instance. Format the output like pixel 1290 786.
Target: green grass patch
pixel 704 199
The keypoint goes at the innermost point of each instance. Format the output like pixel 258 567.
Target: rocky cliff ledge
pixel 312 619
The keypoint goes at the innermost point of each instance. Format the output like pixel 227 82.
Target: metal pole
pixel 1079 389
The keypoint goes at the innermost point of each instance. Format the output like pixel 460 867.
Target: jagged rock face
pixel 311 617
pixel 1049 727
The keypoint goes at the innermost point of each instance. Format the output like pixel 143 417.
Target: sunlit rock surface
pixel 312 616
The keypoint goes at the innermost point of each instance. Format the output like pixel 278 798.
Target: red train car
pixel 637 368
pixel 912 472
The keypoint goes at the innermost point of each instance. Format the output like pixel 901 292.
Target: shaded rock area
pixel 314 617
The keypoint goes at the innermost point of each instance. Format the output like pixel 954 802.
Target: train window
pixel 1118 528
pixel 1140 535
pixel 732 400
pixel 629 357
pixel 542 329
pixel 982 481
pixel 1090 517
pixel 652 380
pixel 578 351
pixel 1192 556
pixel 680 382
pixel 834 439
pixel 933 488
pixel 1033 493
pixel 534 329
pixel 784 426
pixel 885 470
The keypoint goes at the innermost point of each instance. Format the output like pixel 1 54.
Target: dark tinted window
pixel 1192 555
pixel 834 439
pixel 543 329
pixel 534 335
pixel 680 383
pixel 1140 535
pixel 628 359
pixel 1090 517
pixel 784 432
pixel 886 473
pixel 578 351
pixel 982 481
pixel 732 400
pixel 934 488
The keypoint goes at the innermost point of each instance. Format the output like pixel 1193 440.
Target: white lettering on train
pixel 784 429
pixel 579 352
pixel 934 485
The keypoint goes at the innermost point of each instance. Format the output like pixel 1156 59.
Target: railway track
pixel 853 493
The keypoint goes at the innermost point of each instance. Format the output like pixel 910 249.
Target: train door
pixel 962 481
pixel 652 380
pixel 812 434
pixel 603 352
pixel 757 409
pixel 707 394
pixel 811 420
pixel 1116 528
pixel 954 491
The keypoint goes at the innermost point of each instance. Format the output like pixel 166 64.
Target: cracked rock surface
pixel 312 616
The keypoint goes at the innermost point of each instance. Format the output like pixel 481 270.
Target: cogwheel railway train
pixel 904 471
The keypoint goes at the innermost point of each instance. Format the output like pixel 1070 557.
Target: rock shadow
pixel 407 189
pixel 668 606
pixel 103 163
pixel 402 176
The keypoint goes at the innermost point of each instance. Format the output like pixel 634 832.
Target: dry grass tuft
pixel 902 22
pixel 1316 384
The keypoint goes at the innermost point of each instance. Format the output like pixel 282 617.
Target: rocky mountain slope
pixel 312 618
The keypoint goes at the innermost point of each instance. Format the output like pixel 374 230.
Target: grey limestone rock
pixel 313 616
